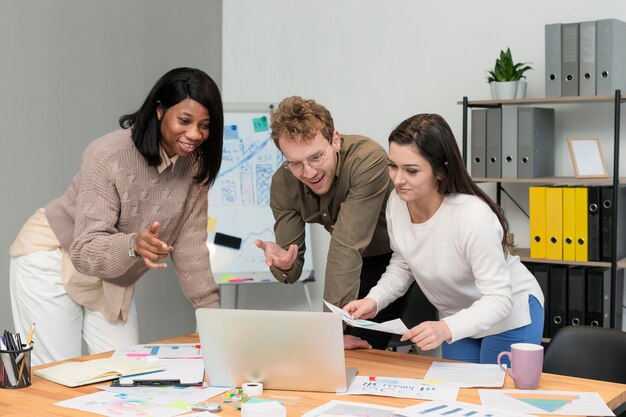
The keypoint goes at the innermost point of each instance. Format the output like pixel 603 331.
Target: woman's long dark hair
pixel 431 135
pixel 175 86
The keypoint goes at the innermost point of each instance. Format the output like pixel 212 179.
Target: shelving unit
pixel 614 181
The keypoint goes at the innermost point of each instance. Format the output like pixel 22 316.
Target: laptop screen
pixel 284 350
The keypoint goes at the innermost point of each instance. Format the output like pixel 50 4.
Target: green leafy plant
pixel 506 70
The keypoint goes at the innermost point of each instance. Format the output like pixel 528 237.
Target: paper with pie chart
pixel 568 403
pixel 395 326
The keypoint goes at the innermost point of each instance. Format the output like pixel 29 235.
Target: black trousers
pixel 373 268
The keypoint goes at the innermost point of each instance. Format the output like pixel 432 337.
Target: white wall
pixel 68 70
pixel 374 63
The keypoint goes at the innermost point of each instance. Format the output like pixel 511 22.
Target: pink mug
pixel 526 364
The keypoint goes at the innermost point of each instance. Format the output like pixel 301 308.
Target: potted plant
pixel 504 78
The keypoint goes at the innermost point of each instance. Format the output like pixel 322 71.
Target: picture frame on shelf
pixel 587 157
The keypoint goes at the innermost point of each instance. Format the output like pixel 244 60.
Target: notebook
pixel 284 350
pixel 75 374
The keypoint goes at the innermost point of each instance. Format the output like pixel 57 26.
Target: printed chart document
pixel 123 405
pixel 456 408
pixel 170 395
pixel 464 375
pixel 165 351
pixel 567 403
pixel 395 326
pixel 74 374
pixel 400 388
pixel 347 408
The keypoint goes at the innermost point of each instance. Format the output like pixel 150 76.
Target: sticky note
pixel 227 277
pixel 260 124
pixel 231 132
pixel 211 223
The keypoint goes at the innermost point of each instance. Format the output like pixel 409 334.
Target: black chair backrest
pixel 587 352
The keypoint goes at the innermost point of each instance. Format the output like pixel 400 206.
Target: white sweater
pixel 457 260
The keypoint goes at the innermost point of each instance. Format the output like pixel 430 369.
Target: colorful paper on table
pixel 400 388
pixel 568 403
pixel 346 408
pixel 167 395
pixel 466 375
pixel 455 408
pixel 395 326
pixel 164 351
pixel 123 405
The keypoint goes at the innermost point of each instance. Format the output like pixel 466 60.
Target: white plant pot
pixel 521 89
pixel 492 87
pixel 506 90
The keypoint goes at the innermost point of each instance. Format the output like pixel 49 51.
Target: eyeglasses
pixel 314 161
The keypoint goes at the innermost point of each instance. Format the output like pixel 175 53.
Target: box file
pixel 610 56
pixel 576 296
pixel 587 58
pixel 569 224
pixel 609 225
pixel 541 275
pixel 509 142
pixel 580 218
pixel 494 143
pixel 554 223
pixel 599 297
pixel 479 142
pixel 553 60
pixel 558 297
pixel 537 221
pixel 593 221
pixel 535 149
pixel 569 59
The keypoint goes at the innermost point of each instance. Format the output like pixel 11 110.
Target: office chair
pixel 588 352
pixel 417 310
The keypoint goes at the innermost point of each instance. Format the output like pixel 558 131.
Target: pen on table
pixel 28 342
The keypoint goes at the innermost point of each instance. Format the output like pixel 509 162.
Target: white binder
pixel 479 143
pixel 509 142
pixel 610 56
pixel 553 60
pixel 569 59
pixel 587 58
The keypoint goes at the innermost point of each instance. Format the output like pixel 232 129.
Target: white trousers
pixel 38 296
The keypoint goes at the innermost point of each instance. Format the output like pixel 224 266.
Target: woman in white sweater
pixel 451 238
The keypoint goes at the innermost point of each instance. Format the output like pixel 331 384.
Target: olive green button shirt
pixel 353 212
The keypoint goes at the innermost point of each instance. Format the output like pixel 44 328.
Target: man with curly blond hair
pixel 342 183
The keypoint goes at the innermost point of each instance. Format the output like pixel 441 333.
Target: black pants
pixel 373 268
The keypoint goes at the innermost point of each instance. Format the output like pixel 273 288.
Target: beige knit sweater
pixel 115 194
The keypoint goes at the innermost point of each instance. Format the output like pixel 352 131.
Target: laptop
pixel 284 350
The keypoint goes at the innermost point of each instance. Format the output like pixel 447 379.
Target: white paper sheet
pixel 455 408
pixel 400 388
pixel 465 375
pixel 395 326
pixel 346 408
pixel 171 351
pixel 187 371
pixel 166 395
pixel 568 403
pixel 123 405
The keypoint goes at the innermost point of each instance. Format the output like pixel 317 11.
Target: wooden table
pixel 38 399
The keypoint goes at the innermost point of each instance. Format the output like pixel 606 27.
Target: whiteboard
pixel 239 211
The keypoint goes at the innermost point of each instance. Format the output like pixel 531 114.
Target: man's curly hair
pixel 300 119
